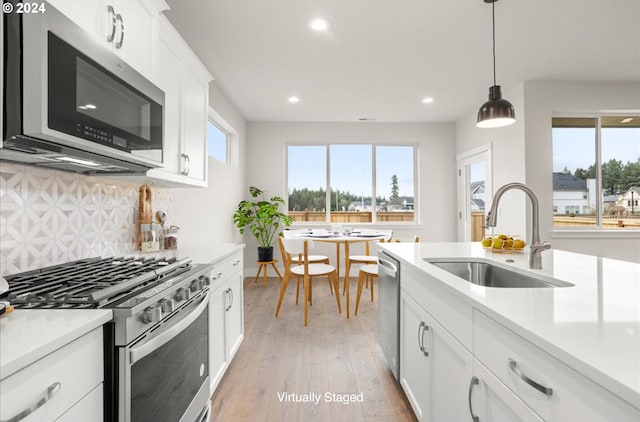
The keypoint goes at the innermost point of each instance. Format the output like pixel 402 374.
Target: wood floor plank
pixel 281 364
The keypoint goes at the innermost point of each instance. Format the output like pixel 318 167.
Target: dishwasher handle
pixel 388 266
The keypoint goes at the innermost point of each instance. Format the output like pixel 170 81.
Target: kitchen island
pixel 592 327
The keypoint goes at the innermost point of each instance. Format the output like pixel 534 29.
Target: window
pixel 217 142
pixel 596 171
pixel 351 183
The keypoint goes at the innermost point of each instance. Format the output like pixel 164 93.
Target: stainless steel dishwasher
pixel 389 310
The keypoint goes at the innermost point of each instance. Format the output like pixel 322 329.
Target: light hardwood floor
pixel 330 355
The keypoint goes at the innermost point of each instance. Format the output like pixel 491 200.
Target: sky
pixel 575 147
pixel 351 168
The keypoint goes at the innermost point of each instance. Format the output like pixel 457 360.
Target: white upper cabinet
pixel 128 27
pixel 185 82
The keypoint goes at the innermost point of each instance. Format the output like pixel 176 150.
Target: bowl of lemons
pixel 503 243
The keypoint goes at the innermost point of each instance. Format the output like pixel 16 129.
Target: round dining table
pixel 344 239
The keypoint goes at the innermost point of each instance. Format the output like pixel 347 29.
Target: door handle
pixel 513 365
pixel 424 348
pixel 121 40
pixel 474 381
pixel 422 327
pixel 112 12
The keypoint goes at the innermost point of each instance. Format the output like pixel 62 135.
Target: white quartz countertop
pixel 594 326
pixel 207 253
pixel 27 335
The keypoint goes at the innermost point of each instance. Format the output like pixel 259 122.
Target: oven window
pixel 164 383
pixel 105 99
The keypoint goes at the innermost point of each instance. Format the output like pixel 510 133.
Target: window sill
pixel 595 234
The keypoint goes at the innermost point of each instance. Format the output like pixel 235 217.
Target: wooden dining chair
pixel 306 271
pixel 367 258
pixel 369 272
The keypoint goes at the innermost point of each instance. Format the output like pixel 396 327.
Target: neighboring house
pixel 400 203
pixel 572 195
pixel 629 201
pixel 477 195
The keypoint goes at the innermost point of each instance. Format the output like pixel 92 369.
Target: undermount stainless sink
pixel 489 275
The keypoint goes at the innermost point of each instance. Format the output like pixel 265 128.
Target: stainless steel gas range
pixel 156 347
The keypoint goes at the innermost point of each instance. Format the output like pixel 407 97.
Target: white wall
pixel 507 159
pixel 436 170
pixel 205 214
pixel 542 99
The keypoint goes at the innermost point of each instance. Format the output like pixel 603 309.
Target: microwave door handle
pixel 112 12
pixel 121 40
pixel 159 340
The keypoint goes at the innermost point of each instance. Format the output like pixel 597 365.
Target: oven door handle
pixel 162 338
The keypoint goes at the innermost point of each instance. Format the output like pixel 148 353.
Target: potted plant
pixel 263 219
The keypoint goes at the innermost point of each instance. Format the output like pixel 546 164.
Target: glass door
pixel 474 193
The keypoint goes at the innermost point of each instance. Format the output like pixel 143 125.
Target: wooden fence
pixel 350 216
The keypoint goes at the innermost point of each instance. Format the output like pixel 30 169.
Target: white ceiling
pixel 381 57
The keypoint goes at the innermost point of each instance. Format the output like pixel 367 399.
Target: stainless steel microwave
pixel 71 103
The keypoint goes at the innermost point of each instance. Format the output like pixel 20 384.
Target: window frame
pixel 216 120
pixel 597 231
pixel 373 145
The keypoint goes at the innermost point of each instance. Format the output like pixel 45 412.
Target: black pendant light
pixel 497 111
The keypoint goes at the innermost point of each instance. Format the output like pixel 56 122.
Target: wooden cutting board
pixel 145 213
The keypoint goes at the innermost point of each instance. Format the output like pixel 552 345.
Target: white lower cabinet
pixel 491 401
pixel 499 375
pixel 435 367
pixel 53 386
pixel 226 315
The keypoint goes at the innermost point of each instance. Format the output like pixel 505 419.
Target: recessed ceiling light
pixel 427 100
pixel 319 24
pixel 294 99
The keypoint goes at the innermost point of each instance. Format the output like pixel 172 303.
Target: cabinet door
pixel 492 401
pixel 134 35
pixel 90 15
pixel 413 362
pixel 450 367
pixel 90 408
pixel 235 315
pixel 217 334
pixel 168 77
pixel 194 130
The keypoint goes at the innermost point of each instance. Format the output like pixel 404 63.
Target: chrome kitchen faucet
pixel 536 247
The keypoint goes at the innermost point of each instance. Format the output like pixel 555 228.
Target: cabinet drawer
pixel 235 261
pixel 219 273
pixel 69 374
pixel 448 310
pixel 572 396
pixel 90 408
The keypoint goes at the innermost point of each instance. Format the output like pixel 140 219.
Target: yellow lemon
pixel 508 244
pixel 497 243
pixel 503 236
pixel 486 242
pixel 518 244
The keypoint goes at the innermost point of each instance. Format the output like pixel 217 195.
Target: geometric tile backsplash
pixel 49 217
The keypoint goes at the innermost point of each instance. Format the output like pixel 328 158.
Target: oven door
pixel 163 376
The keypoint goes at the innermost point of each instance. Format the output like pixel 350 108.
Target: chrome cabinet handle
pixel 112 12
pixel 422 346
pixel 188 164
pixel 232 298
pixel 474 381
pixel 41 401
pixel 513 365
pixel 185 159
pixel 421 336
pixel 228 294
pixel 119 43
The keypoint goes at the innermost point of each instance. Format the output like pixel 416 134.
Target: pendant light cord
pixel 493 18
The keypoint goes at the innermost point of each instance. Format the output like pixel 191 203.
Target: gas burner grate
pixel 88 283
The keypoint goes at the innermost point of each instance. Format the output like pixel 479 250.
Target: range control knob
pixel 197 285
pixel 205 280
pixel 167 305
pixel 152 314
pixel 183 294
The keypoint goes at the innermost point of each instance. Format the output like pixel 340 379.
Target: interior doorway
pixel 474 192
